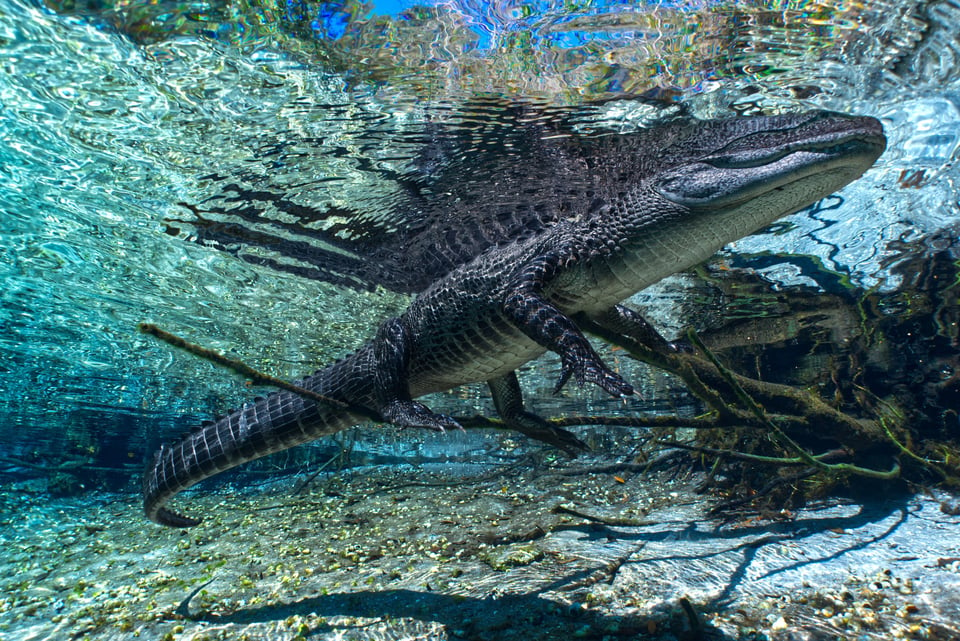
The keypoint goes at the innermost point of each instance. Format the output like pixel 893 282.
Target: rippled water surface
pixel 119 119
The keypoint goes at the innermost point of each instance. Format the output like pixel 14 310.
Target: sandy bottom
pixel 576 550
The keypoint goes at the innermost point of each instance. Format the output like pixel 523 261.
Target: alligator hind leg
pixel 542 321
pixel 392 354
pixel 509 402
pixel 628 322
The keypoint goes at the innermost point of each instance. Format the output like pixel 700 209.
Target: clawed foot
pixel 414 414
pixel 588 368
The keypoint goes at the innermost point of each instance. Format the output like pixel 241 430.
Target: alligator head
pixel 743 173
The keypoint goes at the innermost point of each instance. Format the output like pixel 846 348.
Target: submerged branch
pixel 808 415
pixel 745 456
pixel 255 375
pixel 761 416
pixel 794 412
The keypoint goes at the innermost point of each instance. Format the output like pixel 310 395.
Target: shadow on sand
pixel 532 616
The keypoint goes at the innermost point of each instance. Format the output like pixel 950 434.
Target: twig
pixel 183 610
pixel 305 482
pixel 777 481
pixel 258 377
pixel 68 466
pixel 607 572
pixel 745 456
pixel 693 617
pixel 613 521
pixel 884 423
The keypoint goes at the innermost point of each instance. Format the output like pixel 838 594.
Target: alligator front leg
pixel 392 356
pixel 508 399
pixel 542 321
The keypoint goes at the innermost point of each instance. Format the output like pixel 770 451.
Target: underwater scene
pixel 479 320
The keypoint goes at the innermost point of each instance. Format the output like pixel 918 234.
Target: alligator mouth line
pixel 863 140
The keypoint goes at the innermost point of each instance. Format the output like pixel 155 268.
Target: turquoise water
pixel 122 121
pixel 116 118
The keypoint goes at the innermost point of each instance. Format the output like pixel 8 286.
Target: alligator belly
pixel 486 351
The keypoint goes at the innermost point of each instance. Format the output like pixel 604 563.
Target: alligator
pixel 660 201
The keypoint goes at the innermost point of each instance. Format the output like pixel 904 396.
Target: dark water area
pixel 197 165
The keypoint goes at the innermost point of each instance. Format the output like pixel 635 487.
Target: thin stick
pixel 258 377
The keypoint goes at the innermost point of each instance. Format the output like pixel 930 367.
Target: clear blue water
pixel 113 117
pixel 119 118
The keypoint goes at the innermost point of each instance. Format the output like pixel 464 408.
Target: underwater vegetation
pixel 863 377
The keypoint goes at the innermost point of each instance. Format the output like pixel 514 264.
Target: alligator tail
pixel 270 424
